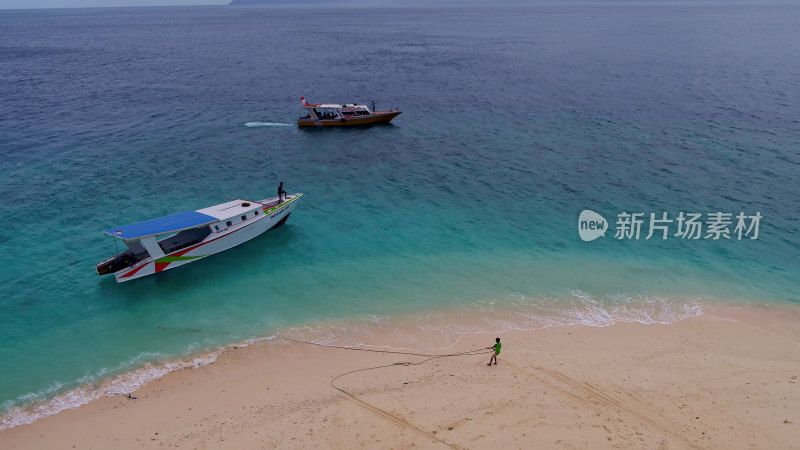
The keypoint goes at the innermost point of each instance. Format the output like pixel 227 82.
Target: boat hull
pixel 216 242
pixel 378 117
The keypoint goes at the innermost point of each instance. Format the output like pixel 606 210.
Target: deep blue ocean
pixel 516 117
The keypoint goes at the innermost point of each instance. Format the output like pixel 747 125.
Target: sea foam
pixel 93 388
pixel 441 330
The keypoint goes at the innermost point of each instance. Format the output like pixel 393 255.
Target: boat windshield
pixel 335 112
pixel 183 239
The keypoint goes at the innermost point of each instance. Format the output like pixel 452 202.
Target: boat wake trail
pixel 266 124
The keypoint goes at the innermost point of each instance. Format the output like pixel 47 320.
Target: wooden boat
pixel 333 115
pixel 167 242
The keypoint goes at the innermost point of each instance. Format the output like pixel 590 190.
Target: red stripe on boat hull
pixel 132 272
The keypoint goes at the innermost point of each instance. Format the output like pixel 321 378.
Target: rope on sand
pixel 379 411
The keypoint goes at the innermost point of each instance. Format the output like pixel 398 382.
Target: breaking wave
pixel 441 330
pixel 93 388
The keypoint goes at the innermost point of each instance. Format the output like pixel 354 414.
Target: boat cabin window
pixel 256 213
pixel 244 217
pixel 229 223
pixel 216 227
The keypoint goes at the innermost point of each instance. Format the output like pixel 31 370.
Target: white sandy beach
pixel 729 379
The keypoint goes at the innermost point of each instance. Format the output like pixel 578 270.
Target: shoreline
pixel 430 330
pixel 623 384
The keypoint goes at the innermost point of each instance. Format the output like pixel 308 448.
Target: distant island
pixel 257 2
pixel 275 2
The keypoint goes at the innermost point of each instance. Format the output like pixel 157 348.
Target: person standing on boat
pixel 281 193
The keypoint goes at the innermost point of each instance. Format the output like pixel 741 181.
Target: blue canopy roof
pixel 162 225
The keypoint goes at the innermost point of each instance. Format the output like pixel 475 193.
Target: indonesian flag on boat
pixel 303 101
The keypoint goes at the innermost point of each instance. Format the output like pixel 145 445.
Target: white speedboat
pixel 335 115
pixel 167 242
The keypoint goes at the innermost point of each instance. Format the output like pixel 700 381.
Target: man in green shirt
pixel 496 349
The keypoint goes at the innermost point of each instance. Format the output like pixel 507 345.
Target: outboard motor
pixel 115 263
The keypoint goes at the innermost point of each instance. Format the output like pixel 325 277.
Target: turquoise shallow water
pixel 516 118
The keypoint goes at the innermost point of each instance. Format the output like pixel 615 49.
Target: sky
pixel 26 4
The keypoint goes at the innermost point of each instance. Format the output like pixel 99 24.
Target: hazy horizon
pixel 46 4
